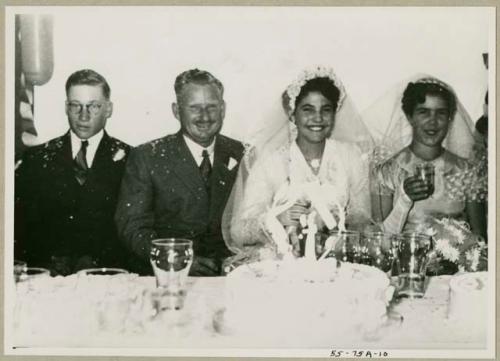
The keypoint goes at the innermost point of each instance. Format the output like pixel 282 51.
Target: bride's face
pixel 314 117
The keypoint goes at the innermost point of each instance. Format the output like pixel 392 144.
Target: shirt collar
pixel 93 140
pixel 196 149
pixel 76 144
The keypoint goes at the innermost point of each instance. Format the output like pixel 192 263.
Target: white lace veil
pixel 280 133
pixel 392 132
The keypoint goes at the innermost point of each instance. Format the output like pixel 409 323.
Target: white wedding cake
pixel 295 297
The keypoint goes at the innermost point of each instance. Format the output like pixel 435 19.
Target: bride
pixel 312 170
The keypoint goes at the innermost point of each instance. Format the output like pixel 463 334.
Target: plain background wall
pixel 256 52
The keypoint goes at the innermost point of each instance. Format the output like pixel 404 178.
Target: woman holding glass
pixel 308 163
pixel 421 169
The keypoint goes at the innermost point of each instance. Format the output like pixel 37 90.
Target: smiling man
pixel 178 185
pixel 66 189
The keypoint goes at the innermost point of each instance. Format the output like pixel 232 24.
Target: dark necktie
pixel 80 164
pixel 205 168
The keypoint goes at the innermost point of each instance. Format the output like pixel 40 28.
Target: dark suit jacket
pixel 163 196
pixel 56 216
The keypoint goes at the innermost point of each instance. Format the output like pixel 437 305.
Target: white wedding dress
pixel 342 178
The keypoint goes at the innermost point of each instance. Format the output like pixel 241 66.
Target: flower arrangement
pixel 323 214
pixel 455 243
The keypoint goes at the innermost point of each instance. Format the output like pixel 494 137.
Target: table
pixel 425 325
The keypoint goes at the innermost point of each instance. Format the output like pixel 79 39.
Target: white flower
pixel 232 163
pixel 450 253
pixel 472 256
pixel 460 236
pixel 120 153
pixel 430 232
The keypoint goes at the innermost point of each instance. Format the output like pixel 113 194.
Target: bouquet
pixel 323 215
pixel 456 248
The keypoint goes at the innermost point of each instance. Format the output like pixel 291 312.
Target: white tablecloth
pixel 425 326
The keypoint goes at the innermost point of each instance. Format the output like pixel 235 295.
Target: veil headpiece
pixel 293 90
pixel 392 131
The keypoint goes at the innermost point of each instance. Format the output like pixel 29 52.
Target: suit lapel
pixel 184 165
pixel 102 158
pixel 63 153
pixel 221 179
pixel 64 161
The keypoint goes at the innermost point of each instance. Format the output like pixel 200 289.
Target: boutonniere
pixel 232 163
pixel 119 154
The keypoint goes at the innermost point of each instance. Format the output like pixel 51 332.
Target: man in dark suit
pixel 66 189
pixel 178 185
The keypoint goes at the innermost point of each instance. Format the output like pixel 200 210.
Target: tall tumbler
pixel 413 256
pixel 171 259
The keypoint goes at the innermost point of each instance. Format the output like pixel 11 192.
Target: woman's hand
pixel 417 189
pixel 291 216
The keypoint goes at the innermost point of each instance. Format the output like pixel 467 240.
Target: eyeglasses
pixel 92 108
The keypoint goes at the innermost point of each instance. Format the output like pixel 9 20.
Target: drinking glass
pixel 378 249
pixel 425 172
pixel 102 271
pixel 171 259
pixel 33 279
pixel 346 247
pixel 19 269
pixel 91 278
pixel 410 268
pixel 109 292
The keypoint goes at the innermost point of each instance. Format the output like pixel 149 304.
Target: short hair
pixel 415 93
pixel 88 77
pixel 322 85
pixel 196 76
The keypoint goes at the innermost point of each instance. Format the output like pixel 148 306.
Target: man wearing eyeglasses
pixel 178 185
pixel 66 189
